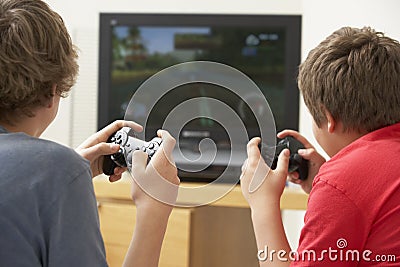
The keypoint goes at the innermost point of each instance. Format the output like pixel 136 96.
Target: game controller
pixel 128 143
pixel 296 162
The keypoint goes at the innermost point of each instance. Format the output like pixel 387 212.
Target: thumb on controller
pixel 283 161
pixel 168 141
pixel 139 162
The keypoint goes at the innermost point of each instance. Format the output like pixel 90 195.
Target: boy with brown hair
pixel 351 85
pixel 47 203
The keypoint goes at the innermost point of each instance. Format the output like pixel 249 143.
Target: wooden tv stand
pixel 219 234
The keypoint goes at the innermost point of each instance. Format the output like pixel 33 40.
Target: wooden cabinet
pixel 217 235
pixel 117 222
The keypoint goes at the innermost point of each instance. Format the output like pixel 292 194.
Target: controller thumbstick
pixel 297 158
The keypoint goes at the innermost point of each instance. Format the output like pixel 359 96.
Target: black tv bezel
pixel 292 24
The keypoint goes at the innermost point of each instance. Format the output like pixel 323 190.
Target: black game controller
pixel 296 162
pixel 128 143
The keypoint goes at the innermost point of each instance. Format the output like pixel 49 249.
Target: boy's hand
pixel 152 184
pixel 95 147
pixel 315 160
pixel 158 181
pixel 260 185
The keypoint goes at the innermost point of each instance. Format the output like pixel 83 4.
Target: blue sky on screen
pixel 160 39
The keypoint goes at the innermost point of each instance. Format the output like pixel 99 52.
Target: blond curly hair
pixel 36 52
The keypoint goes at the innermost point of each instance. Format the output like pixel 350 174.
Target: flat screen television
pixel 133 47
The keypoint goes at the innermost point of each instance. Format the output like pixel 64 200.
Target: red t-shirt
pixel 353 214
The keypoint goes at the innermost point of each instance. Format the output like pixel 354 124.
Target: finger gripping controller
pixel 128 143
pixel 296 162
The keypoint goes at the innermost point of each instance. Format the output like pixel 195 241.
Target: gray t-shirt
pixel 48 211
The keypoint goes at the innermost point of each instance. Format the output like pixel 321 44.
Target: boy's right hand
pixel 154 190
pixel 310 154
pixel 155 185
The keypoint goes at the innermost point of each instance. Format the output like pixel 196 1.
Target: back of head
pixel 355 75
pixel 36 52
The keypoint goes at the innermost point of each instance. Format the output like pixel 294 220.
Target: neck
pixel 26 126
pixel 343 139
pixel 33 126
pixel 43 116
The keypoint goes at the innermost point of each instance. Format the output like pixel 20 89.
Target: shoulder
pixel 24 155
pixel 366 172
pixel 39 170
pixel 371 158
pixel 46 191
pixel 61 157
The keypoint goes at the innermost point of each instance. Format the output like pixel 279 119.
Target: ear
pixel 52 99
pixel 331 122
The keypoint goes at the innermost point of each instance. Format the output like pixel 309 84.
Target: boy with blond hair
pixel 47 203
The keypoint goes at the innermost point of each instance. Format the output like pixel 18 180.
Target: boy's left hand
pixel 95 147
pixel 262 186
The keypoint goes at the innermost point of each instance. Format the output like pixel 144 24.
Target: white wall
pixel 78 113
pixel 77 116
pixel 321 18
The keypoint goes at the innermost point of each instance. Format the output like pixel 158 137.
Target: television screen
pixel 266 48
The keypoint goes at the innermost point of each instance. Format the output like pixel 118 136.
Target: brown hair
pixel 355 75
pixel 36 52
